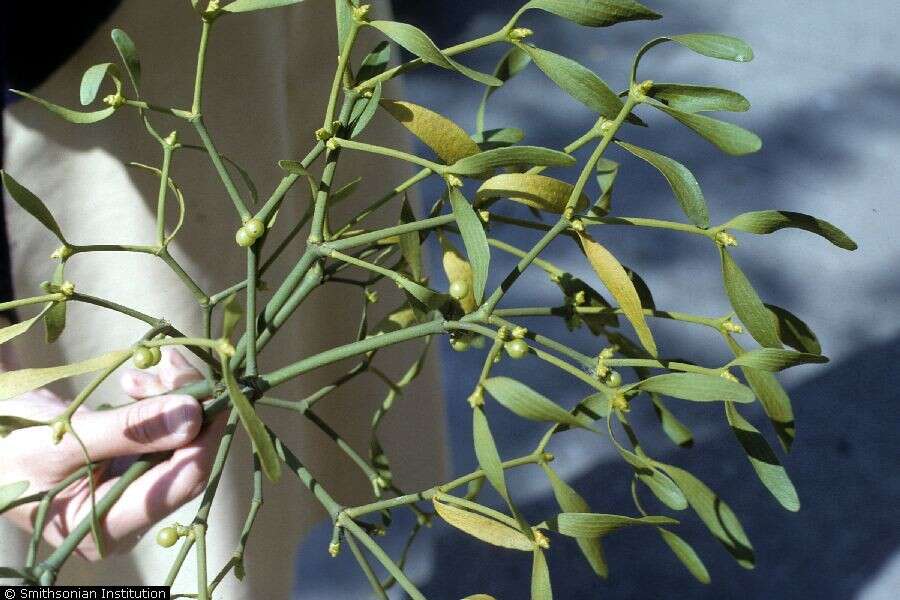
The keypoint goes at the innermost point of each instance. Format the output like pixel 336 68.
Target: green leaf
pixel 256 430
pixel 768 221
pixel 17 329
pixel 72 116
pixel 541 588
pixel 763 459
pixel 343 14
pixel 537 191
pixel 410 243
pixel 498 138
pixel 239 6
pixel 426 298
pixel 251 187
pixel 686 554
pixel 482 527
pixel 370 107
pixel 794 332
pixel 662 487
pixel 9 424
pixel 514 155
pixel 715 514
pixel 571 501
pixel 594 525
pixel 747 305
pixel 14 383
pixel 673 428
pixel 447 139
pixel 616 280
pixel 9 493
pixel 682 181
pixel 128 51
pixel 698 98
pixel 7 573
pixel 595 13
pixel 528 404
pixel 486 452
pixel 775 359
pixel 697 387
pixel 375 63
pixel 93 78
pixel 716 45
pixel 417 42
pixel 578 81
pixel 231 315
pixel 32 205
pixel 474 239
pixel 727 137
pixel 511 64
pixel 607 170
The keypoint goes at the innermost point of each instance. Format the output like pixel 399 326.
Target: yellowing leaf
pixel 537 191
pixel 458 268
pixel 482 527
pixel 616 280
pixel 14 383
pixel 448 140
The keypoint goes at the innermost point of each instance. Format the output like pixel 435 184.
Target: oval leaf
pixel 256 430
pixel 528 404
pixel 775 359
pixel 482 527
pixel 486 452
pixel 686 554
pixel 11 492
pixel 595 13
pixel 537 191
pixel 794 332
pixel 716 45
pixel 594 525
pixel 93 78
pixel 511 64
pixel 447 139
pixel 727 137
pixel 698 98
pixel 571 501
pixel 767 221
pixel 763 459
pixel 498 138
pixel 9 424
pixel 715 514
pixel 747 305
pixel 578 81
pixel 239 6
pixel 376 62
pixel 682 181
pixel 32 204
pixel 17 329
pixel 72 116
pixel 616 280
pixel 540 577
pixel 14 383
pixel 514 155
pixel 475 241
pixel 361 121
pixel 417 42
pixel 697 387
pixel 128 51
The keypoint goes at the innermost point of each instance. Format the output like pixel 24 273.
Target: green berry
pixel 255 228
pixel 516 348
pixel 143 358
pixel 459 289
pixel 460 344
pixel 614 379
pixel 157 354
pixel 167 537
pixel 243 238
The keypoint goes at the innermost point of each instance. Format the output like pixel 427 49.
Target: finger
pixel 152 425
pixel 164 487
pixel 141 384
pixel 174 371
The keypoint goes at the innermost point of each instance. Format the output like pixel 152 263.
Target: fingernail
pixel 180 417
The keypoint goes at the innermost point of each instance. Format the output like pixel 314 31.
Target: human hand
pixel 157 422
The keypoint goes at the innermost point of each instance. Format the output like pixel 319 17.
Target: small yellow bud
pixel 361 13
pixel 503 333
pixel 114 100
pixel 580 298
pixel 723 238
pixel 484 215
pixel 606 126
pixel 453 181
pixel 578 225
pixel 223 346
pixel 323 134
pixel 540 539
pixel 334 548
pixel 332 144
pixel 548 457
pixel 62 253
pixel 67 289
pixel 728 376
pixel 730 327
pixel 569 213
pixel 171 139
pixel 371 296
pixel 519 332
pixel 59 429
pixel 519 33
pixel 476 398
pixel 619 402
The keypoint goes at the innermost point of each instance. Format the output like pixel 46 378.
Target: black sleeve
pixel 32 46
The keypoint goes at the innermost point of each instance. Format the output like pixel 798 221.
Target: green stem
pixel 382 557
pixel 201 64
pixel 252 263
pixel 274 201
pixel 188 281
pixel 202 581
pixel 343 60
pixel 388 232
pixel 390 152
pixel 161 196
pixel 360 216
pixel 13 304
pixel 224 175
pixel 367 569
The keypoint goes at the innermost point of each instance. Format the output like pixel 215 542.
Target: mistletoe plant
pixel 482 172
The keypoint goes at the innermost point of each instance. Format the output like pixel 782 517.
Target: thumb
pixel 152 425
